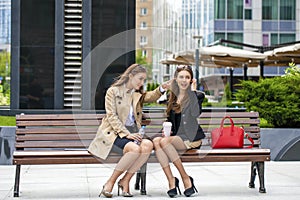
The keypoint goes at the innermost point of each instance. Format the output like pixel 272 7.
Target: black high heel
pixel 188 192
pixel 173 192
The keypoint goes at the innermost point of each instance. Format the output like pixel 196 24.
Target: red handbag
pixel 229 137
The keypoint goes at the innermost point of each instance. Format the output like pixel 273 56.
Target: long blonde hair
pixel 132 69
pixel 172 103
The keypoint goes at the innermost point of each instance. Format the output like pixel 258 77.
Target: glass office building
pixel 5 19
pixel 52 43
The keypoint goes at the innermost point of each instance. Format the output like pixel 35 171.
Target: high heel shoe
pixel 188 192
pixel 173 192
pixel 124 194
pixel 106 193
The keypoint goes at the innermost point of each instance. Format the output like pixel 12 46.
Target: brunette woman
pixel 183 107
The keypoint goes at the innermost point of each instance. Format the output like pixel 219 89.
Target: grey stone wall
pixel 7 144
pixel 280 142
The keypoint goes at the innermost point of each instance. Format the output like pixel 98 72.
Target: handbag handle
pixel 249 138
pixel 222 123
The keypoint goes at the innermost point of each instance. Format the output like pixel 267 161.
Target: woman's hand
pixel 194 85
pixel 167 85
pixel 135 136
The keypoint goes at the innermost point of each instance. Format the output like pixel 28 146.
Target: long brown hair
pixel 132 69
pixel 172 102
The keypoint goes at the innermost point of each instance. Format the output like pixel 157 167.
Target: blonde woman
pixel 119 129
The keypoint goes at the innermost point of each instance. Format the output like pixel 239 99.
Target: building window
pixel 237 37
pixel 143 11
pixel 270 9
pixel 287 9
pixel 234 9
pixel 248 3
pixel 143 25
pixel 248 14
pixel 286 37
pixel 143 40
pixel 144 53
pixel 274 39
pixel 220 6
pixel 219 36
pixel 282 38
pixel 265 39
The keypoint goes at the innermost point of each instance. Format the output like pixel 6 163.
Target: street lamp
pixel 199 39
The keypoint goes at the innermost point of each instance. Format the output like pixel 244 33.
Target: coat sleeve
pixel 111 114
pixel 196 100
pixel 152 96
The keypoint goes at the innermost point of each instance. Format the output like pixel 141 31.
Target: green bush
pixel 276 99
pixel 7 121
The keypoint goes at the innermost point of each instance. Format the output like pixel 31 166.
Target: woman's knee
pixel 146 146
pixel 156 142
pixel 132 147
pixel 165 141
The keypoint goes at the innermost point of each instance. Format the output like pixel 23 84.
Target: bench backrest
pixel 75 131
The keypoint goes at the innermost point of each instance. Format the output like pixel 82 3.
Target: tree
pixel 4 72
pixel 276 99
pixel 140 59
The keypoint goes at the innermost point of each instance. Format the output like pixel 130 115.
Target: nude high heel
pixel 124 194
pixel 106 193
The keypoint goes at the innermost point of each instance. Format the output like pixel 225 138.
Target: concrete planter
pixel 7 144
pixel 283 142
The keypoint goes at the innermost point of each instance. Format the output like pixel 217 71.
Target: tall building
pixel 66 53
pixel 5 20
pixel 258 23
pixel 144 18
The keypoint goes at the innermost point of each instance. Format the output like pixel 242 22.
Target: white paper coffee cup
pixel 167 126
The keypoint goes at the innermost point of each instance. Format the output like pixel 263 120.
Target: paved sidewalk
pixel 213 181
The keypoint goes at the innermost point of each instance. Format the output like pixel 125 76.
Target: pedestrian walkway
pixel 213 181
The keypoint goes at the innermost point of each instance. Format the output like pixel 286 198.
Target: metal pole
pixel 231 79
pixel 197 69
pixel 245 72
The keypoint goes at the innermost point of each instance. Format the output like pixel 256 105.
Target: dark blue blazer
pixel 185 124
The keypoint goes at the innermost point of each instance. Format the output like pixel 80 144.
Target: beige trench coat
pixel 117 106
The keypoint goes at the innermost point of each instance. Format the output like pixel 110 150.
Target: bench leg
pixel 260 168
pixel 143 171
pixel 261 175
pixel 253 175
pixel 137 180
pixel 17 181
pixel 141 177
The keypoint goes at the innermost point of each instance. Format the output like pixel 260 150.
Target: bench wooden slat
pixel 59 123
pixel 187 153
pixel 43 117
pixel 64 130
pixel 64 157
pixel 210 115
pixel 53 144
pixel 53 137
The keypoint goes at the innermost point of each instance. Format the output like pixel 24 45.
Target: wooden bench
pixel 64 138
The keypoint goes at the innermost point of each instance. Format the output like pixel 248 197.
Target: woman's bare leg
pixel 171 145
pixel 131 153
pixel 146 148
pixel 164 161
